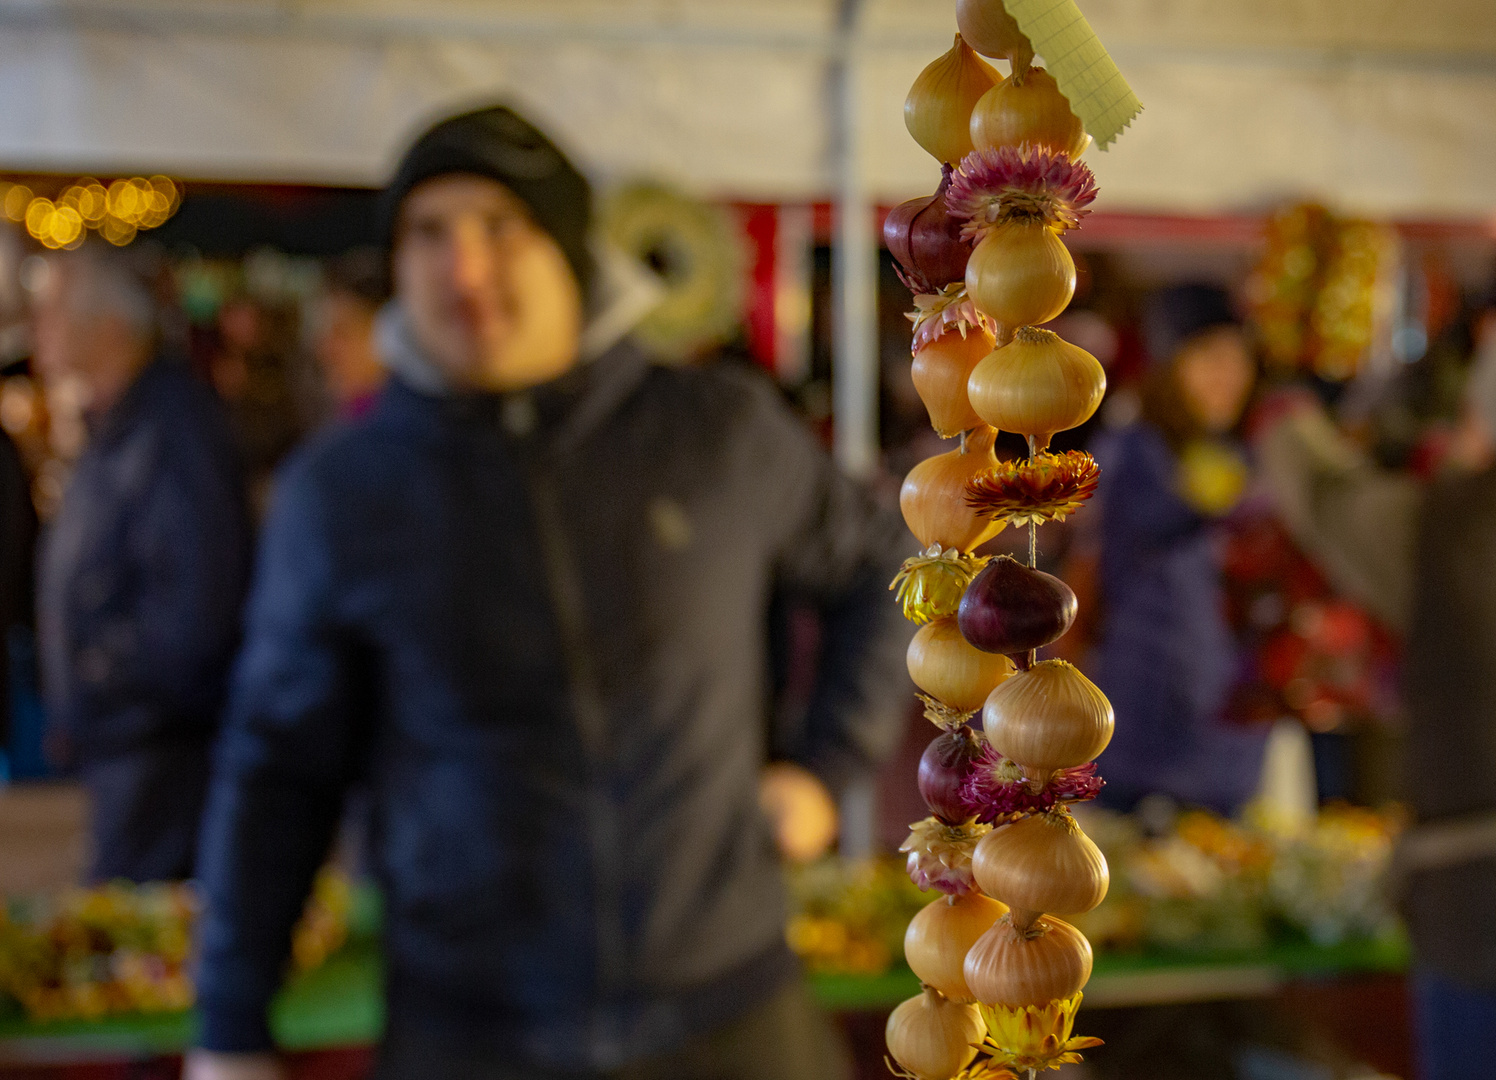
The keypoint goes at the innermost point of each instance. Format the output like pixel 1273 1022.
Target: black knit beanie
pixel 1174 315
pixel 499 143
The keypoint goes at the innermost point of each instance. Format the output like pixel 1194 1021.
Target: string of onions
pixel 987 261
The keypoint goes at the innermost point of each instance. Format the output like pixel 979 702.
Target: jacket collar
pixel 559 413
pixel 120 417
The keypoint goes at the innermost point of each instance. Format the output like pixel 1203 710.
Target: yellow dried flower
pixel 930 584
pixel 1035 1036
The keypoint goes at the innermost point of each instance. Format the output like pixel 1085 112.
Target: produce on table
pixel 985 257
pixel 123 948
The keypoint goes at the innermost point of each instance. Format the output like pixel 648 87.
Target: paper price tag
pixel 1074 55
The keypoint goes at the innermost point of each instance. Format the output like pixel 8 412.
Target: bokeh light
pixel 118 212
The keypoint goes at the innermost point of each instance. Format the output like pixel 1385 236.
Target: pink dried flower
pixel 942 312
pixel 1024 182
pixel 940 855
pixel 997 790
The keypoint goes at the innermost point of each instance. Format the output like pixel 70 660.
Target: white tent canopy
pixel 1380 106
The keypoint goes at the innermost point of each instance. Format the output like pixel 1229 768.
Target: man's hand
pixel 800 809
pixel 207 1065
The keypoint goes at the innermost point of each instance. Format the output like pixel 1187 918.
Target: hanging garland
pixel 1002 971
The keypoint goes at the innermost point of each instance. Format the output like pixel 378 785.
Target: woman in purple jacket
pixel 1166 657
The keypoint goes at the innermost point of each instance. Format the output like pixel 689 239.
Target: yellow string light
pixel 117 212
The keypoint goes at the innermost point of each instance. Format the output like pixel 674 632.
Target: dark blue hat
pixel 1174 315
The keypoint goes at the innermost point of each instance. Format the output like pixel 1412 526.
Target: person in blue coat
pixel 142 571
pixel 1166 656
pixel 525 601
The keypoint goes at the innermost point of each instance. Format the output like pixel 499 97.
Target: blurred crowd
pixel 1276 556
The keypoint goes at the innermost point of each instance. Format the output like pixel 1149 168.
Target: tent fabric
pixel 1383 107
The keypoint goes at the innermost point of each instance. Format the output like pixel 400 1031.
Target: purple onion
pixel 926 240
pixel 944 771
pixel 1012 608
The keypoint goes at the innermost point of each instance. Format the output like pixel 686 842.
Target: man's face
pixel 489 295
pixel 96 349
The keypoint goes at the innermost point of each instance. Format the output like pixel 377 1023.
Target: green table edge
pixel 339 1004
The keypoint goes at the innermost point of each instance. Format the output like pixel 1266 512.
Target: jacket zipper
pixel 592 721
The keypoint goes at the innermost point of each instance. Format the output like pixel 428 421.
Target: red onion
pixel 926 240
pixel 944 771
pixel 1012 608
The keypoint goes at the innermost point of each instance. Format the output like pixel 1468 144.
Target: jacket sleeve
pixel 1357 521
pixel 287 752
pixel 158 663
pixel 838 549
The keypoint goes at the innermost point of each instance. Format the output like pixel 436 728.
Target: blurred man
pixel 1421 556
pixel 142 571
pixel 526 598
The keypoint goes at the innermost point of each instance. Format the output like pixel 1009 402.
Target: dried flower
pixel 942 715
pixel 1024 183
pixel 930 584
pixel 1035 1036
pixel 937 312
pixel 1048 487
pixel 940 854
pixel 997 790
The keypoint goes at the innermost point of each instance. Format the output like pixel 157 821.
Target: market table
pixel 338 1004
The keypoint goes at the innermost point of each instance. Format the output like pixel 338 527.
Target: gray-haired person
pixel 141 574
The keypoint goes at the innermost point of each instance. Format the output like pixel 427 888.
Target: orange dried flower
pixel 1048 487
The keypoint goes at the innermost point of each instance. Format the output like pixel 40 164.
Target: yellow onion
pixel 937 111
pixel 1020 274
pixel 940 372
pixel 939 935
pixel 1048 718
pixel 991 31
pixel 1037 384
pixel 1028 109
pixel 933 1037
pixel 933 497
pixel 950 669
pixel 1041 863
pixel 1008 966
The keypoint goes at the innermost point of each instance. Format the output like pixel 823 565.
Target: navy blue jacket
pixel 1167 657
pixel 536 624
pixel 142 573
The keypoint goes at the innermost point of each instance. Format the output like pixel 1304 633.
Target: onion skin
pixel 1020 274
pixel 933 1037
pixel 991 31
pixel 926 240
pixel 937 111
pixel 1011 608
pixel 946 667
pixel 933 497
pixel 944 769
pixel 1008 966
pixel 1036 385
pixel 1031 111
pixel 1042 863
pixel 940 373
pixel 940 935
pixel 1048 718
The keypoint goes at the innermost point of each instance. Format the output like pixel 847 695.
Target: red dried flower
pixel 1047 487
pixel 997 791
pixel 1023 182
